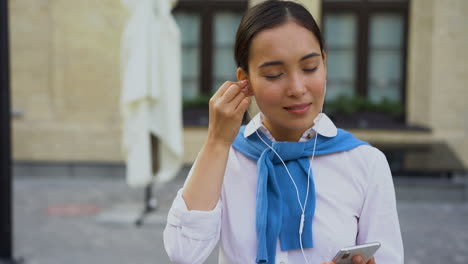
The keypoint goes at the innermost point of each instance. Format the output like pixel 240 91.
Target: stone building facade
pixel 65 80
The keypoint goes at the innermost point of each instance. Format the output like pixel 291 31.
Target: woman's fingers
pixel 243 105
pixel 360 260
pixel 233 90
pixel 233 96
pixel 234 103
pixel 222 89
pixel 227 107
pixel 226 87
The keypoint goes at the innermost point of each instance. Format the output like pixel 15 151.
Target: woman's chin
pixel 286 122
pixel 303 123
pixel 298 125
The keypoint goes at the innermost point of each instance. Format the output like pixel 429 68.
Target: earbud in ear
pixel 249 90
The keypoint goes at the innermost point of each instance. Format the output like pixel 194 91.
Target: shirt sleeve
pixel 191 236
pixel 378 221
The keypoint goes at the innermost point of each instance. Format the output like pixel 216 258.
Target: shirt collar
pixel 322 125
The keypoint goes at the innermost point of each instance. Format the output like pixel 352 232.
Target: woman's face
pixel 287 74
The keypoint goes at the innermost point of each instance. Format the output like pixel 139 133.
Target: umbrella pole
pixel 150 201
pixel 150 204
pixel 6 223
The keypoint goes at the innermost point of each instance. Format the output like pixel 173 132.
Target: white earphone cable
pixel 303 207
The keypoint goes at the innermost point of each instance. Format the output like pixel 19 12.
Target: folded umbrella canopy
pixel 151 91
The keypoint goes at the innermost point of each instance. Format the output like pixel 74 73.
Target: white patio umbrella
pixel 151 91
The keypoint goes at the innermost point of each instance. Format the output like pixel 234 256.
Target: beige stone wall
pixel 437 72
pixel 449 113
pixel 314 7
pixel 65 79
pixel 419 62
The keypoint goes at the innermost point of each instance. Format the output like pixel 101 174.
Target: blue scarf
pixel 277 210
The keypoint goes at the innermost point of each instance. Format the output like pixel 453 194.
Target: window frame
pixel 363 9
pixel 207 10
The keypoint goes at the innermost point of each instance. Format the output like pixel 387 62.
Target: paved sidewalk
pixel 59 220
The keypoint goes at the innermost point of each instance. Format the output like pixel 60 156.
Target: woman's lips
pixel 298 108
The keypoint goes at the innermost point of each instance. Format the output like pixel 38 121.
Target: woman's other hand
pixel 227 108
pixel 356 260
pixel 360 260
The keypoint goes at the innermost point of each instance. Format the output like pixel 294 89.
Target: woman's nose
pixel 296 86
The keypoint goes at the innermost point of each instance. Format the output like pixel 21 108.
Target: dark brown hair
pixel 267 15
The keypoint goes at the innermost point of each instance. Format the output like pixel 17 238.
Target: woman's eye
pixel 310 70
pixel 272 77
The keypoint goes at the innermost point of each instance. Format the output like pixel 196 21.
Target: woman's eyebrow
pixel 313 54
pixel 270 63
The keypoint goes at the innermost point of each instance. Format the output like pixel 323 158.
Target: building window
pixel 225 25
pixel 208 30
pixel 341 46
pixel 385 58
pixel 366 45
pixel 189 24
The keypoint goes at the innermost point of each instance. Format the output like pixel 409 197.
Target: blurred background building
pixel 397 76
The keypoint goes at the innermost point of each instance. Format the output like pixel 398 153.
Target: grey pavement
pixel 65 219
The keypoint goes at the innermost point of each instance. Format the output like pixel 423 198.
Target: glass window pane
pixel 386 30
pixel 189 24
pixel 225 27
pixel 190 88
pixel 385 57
pixel 190 62
pixel 224 66
pixel 341 37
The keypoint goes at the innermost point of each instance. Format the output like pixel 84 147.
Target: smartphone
pixel 366 251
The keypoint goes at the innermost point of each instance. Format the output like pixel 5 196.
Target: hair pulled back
pixel 267 15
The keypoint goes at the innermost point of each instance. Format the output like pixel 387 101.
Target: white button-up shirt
pixel 355 204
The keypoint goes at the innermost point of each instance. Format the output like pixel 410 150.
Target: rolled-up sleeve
pixel 191 236
pixel 378 221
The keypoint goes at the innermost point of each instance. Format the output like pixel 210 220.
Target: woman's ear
pixel 241 75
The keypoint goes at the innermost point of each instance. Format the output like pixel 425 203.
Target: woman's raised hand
pixel 227 108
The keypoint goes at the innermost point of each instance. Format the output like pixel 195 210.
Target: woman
pixel 289 187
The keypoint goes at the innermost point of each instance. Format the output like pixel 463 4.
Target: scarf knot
pixel 288 151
